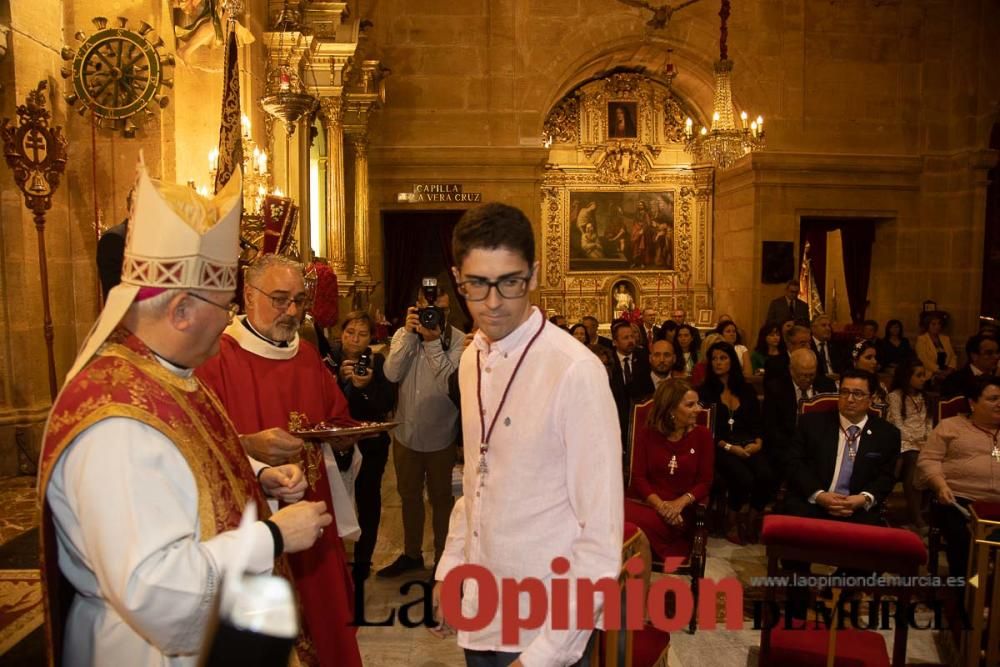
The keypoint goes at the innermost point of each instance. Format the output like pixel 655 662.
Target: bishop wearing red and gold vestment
pixel 143 479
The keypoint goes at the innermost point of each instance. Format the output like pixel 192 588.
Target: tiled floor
pixel 18 508
pixel 21 613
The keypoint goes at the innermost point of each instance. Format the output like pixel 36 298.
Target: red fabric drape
pixel 418 244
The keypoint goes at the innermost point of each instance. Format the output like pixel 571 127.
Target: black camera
pixel 430 317
pixel 364 363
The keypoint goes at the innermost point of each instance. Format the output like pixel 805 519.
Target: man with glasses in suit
pixel 842 463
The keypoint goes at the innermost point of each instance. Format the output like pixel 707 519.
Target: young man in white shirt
pixel 543 474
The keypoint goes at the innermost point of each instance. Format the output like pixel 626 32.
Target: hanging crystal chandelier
pixel 724 143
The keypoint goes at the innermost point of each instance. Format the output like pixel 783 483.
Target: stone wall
pixel 872 108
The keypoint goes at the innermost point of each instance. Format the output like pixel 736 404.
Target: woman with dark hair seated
pixel 864 356
pixel 671 469
pixel 960 463
pixel 770 343
pixel 731 334
pixel 579 332
pixel 667 330
pixel 894 348
pixel 738 434
pixel 687 341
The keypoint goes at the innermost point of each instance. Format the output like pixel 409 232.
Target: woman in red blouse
pixel 672 460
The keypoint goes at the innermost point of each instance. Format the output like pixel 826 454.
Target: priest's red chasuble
pixel 259 393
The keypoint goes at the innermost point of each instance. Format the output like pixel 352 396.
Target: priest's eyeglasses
pixel 508 287
pixel 282 302
pixel 231 309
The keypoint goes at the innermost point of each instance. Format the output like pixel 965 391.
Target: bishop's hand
pixel 301 524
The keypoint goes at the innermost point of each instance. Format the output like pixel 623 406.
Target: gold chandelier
pixel 724 143
pixel 285 96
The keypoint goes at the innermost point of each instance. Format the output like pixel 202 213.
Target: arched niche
pixel 622 201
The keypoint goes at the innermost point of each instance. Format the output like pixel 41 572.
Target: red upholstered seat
pixel 630 531
pixel 987 510
pixel 855 648
pixel 819 403
pixel 888 545
pixel 952 407
pixel 649 647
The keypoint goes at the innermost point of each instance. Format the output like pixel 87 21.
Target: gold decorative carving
pixel 673 121
pixel 553 235
pixel 562 126
pixel 624 164
pixel 624 85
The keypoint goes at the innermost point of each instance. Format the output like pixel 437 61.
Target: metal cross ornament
pixel 673 464
pixel 36 153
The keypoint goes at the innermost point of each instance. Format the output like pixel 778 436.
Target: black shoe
pixel 402 564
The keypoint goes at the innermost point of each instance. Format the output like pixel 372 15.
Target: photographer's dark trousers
pixel 412 469
pixel 368 495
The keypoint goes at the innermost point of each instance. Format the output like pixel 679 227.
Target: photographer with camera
pixel 370 397
pixel 422 356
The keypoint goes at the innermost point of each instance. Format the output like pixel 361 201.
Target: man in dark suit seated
pixel 788 307
pixel 842 464
pixel 662 360
pixel 781 404
pixel 830 356
pixel 591 323
pixel 627 368
pixel 982 351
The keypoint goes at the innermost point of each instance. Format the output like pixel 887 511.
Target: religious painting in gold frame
pixel 623 120
pixel 621 230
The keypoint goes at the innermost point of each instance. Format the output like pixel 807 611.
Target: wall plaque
pixel 439 193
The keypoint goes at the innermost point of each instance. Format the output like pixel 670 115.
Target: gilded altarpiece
pixel 622 205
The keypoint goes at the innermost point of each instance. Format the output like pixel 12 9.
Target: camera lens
pixel 430 318
pixel 364 361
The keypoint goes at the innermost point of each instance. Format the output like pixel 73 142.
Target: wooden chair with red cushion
pixel 951 407
pixel 889 550
pixel 694 565
pixel 818 403
pixel 983 638
pixel 648 647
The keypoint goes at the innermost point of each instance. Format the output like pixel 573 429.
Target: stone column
pixel 362 231
pixel 336 219
pixel 305 235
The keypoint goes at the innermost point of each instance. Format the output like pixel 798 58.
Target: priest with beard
pixel 264 372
